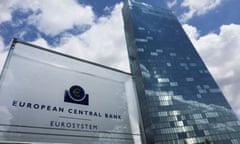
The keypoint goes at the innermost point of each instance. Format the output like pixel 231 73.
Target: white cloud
pixel 50 17
pixel 191 31
pixel 198 8
pixel 103 43
pixel 221 54
pixel 6 7
pixel 172 3
pixel 41 42
pixel 53 17
pixel 106 37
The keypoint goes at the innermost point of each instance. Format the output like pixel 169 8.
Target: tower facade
pixel 178 98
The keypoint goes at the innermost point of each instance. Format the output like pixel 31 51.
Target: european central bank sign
pixel 46 96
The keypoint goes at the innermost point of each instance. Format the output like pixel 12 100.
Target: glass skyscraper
pixel 178 98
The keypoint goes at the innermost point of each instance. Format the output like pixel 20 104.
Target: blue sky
pixel 93 30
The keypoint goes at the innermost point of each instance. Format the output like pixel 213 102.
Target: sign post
pixel 46 96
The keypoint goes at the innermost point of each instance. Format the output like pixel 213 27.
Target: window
pixel 161 80
pixel 183 64
pixel 141 28
pixel 206 86
pixel 149 37
pixel 163 113
pixel 202 91
pixel 174 112
pixel 140 50
pixel 173 84
pixel 159 50
pixel 179 124
pixel 211 114
pixel 162 98
pixel 193 64
pixel 172 54
pixel 165 103
pixel 197 116
pixel 216 90
pixel 198 87
pixel 199 96
pixel 141 40
pixel 169 64
pixel 154 54
pixel 189 79
pixel 201 121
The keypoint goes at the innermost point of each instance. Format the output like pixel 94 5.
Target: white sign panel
pixel 50 97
